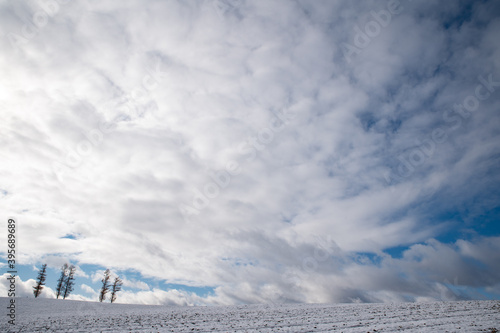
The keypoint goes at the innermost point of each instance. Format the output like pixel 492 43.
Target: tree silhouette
pixel 40 281
pixel 105 285
pixel 116 287
pixel 60 282
pixel 69 281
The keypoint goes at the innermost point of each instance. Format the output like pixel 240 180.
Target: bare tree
pixel 105 285
pixel 69 282
pixel 40 281
pixel 116 287
pixel 60 281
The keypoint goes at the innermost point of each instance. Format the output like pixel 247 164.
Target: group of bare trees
pixel 116 286
pixel 66 282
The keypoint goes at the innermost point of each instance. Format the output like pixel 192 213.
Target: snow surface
pixel 50 315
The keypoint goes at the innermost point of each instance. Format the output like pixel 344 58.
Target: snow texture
pixel 50 315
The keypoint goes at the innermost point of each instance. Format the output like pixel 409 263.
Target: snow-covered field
pixel 49 315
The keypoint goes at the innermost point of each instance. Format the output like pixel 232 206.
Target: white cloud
pixel 89 290
pixel 135 284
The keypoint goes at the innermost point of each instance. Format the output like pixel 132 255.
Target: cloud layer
pixel 275 151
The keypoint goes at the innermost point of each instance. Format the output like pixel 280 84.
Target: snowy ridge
pixel 49 315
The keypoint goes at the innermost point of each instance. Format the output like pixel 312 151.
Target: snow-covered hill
pixel 49 315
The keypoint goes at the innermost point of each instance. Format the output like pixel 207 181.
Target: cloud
pixel 89 290
pixel 325 274
pixel 22 288
pixel 135 284
pixel 214 145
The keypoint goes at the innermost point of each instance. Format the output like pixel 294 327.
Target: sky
pixel 219 152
